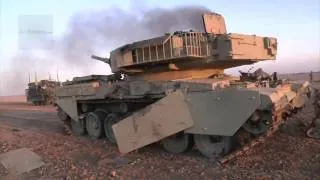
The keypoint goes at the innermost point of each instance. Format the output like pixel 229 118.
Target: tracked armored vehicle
pixel 42 92
pixel 172 90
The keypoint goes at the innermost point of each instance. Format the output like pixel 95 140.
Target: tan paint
pixel 84 89
pixel 243 47
pixel 186 51
pixel 179 75
pixel 214 23
pixel 300 99
pixel 284 96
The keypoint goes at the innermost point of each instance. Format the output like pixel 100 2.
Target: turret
pixel 189 54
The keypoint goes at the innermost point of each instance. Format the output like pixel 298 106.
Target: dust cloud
pixel 97 32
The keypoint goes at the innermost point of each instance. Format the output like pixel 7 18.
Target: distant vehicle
pixel 42 92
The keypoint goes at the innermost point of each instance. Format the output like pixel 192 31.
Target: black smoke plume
pixel 93 32
pixel 107 29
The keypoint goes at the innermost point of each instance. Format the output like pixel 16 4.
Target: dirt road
pixel 36 118
pixel 288 154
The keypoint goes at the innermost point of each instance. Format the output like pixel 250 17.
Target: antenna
pixel 35 77
pixel 29 76
pixel 58 74
pixel 49 76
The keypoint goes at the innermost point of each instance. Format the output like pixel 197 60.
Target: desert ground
pixel 300 76
pixel 288 154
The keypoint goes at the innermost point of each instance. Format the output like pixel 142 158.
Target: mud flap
pixel 69 106
pixel 153 123
pixel 221 112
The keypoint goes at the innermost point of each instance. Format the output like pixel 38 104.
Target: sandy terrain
pixel 286 155
pixel 300 76
pixel 13 99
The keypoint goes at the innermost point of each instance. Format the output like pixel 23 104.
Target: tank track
pixel 253 143
pixel 279 117
pixel 245 149
pixel 237 153
pixel 67 128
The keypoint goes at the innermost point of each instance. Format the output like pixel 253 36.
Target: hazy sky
pixel 295 23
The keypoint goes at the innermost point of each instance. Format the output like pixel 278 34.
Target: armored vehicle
pixel 172 89
pixel 42 92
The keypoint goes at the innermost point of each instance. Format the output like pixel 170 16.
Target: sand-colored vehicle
pixel 42 92
pixel 172 89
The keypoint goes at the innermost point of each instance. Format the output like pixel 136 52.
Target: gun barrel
pixel 106 60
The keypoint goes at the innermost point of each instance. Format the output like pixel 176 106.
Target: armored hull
pixel 133 114
pixel 172 89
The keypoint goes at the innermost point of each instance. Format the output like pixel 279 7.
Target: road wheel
pixel 178 143
pixel 213 146
pixel 313 132
pixel 256 124
pixel 78 127
pixel 108 122
pixel 94 124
